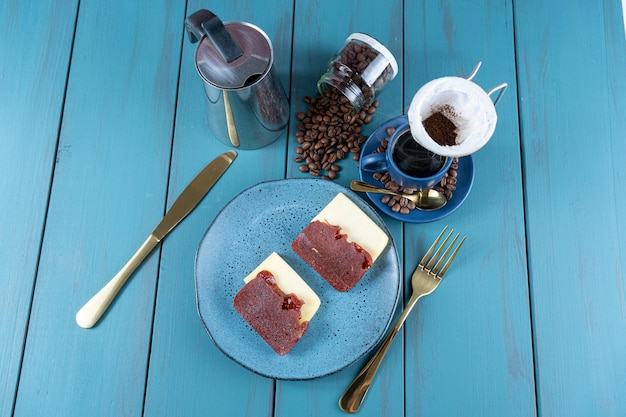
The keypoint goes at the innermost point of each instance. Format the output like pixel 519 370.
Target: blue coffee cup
pixel 409 164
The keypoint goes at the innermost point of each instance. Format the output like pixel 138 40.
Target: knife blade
pixel 93 310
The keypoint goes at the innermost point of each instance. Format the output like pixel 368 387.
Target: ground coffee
pixel 441 129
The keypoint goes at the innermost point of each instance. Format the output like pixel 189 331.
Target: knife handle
pixel 91 312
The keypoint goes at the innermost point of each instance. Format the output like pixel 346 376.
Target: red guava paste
pixel 327 250
pixel 274 315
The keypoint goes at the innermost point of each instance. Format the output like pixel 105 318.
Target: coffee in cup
pixel 409 164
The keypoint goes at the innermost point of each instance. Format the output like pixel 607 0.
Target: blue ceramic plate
pixel 265 218
pixel 465 179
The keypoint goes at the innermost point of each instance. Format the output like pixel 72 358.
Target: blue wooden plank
pixel 108 194
pixel 33 69
pixel 571 76
pixel 469 348
pixel 188 375
pixel 320 30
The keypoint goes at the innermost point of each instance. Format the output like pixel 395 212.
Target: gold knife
pixel 91 312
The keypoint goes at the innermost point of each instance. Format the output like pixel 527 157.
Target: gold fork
pixel 424 281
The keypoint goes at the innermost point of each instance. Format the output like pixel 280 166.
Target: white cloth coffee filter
pixel 462 101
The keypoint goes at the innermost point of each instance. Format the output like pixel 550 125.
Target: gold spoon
pixel 427 199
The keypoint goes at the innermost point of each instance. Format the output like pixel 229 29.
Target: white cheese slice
pixel 355 224
pixel 289 281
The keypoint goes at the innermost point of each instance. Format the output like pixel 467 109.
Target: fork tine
pixel 435 269
pixel 451 258
pixel 432 247
pixel 435 256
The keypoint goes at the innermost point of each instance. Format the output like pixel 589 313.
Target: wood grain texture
pixel 103 122
pixel 33 70
pixel 321 28
pixel 188 375
pixel 477 323
pixel 108 194
pixel 572 111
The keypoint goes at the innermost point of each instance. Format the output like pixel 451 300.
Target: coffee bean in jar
pixel 332 126
pixel 359 70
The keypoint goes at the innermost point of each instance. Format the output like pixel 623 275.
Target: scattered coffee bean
pixel 329 130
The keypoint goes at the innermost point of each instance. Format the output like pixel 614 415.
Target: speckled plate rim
pixel 346 327
pixel 465 180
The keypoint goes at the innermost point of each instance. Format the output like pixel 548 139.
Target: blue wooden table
pixel 102 124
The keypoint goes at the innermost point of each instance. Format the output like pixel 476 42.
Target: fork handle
pixel 352 398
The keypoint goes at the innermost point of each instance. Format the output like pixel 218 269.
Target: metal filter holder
pixel 462 101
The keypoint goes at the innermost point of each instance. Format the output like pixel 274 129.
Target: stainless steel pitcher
pixel 247 105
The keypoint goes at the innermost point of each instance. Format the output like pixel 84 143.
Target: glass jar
pixel 359 70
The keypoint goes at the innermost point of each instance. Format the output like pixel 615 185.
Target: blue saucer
pixel 465 179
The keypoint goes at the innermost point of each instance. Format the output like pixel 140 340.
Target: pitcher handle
pixel 502 87
pixel 205 23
